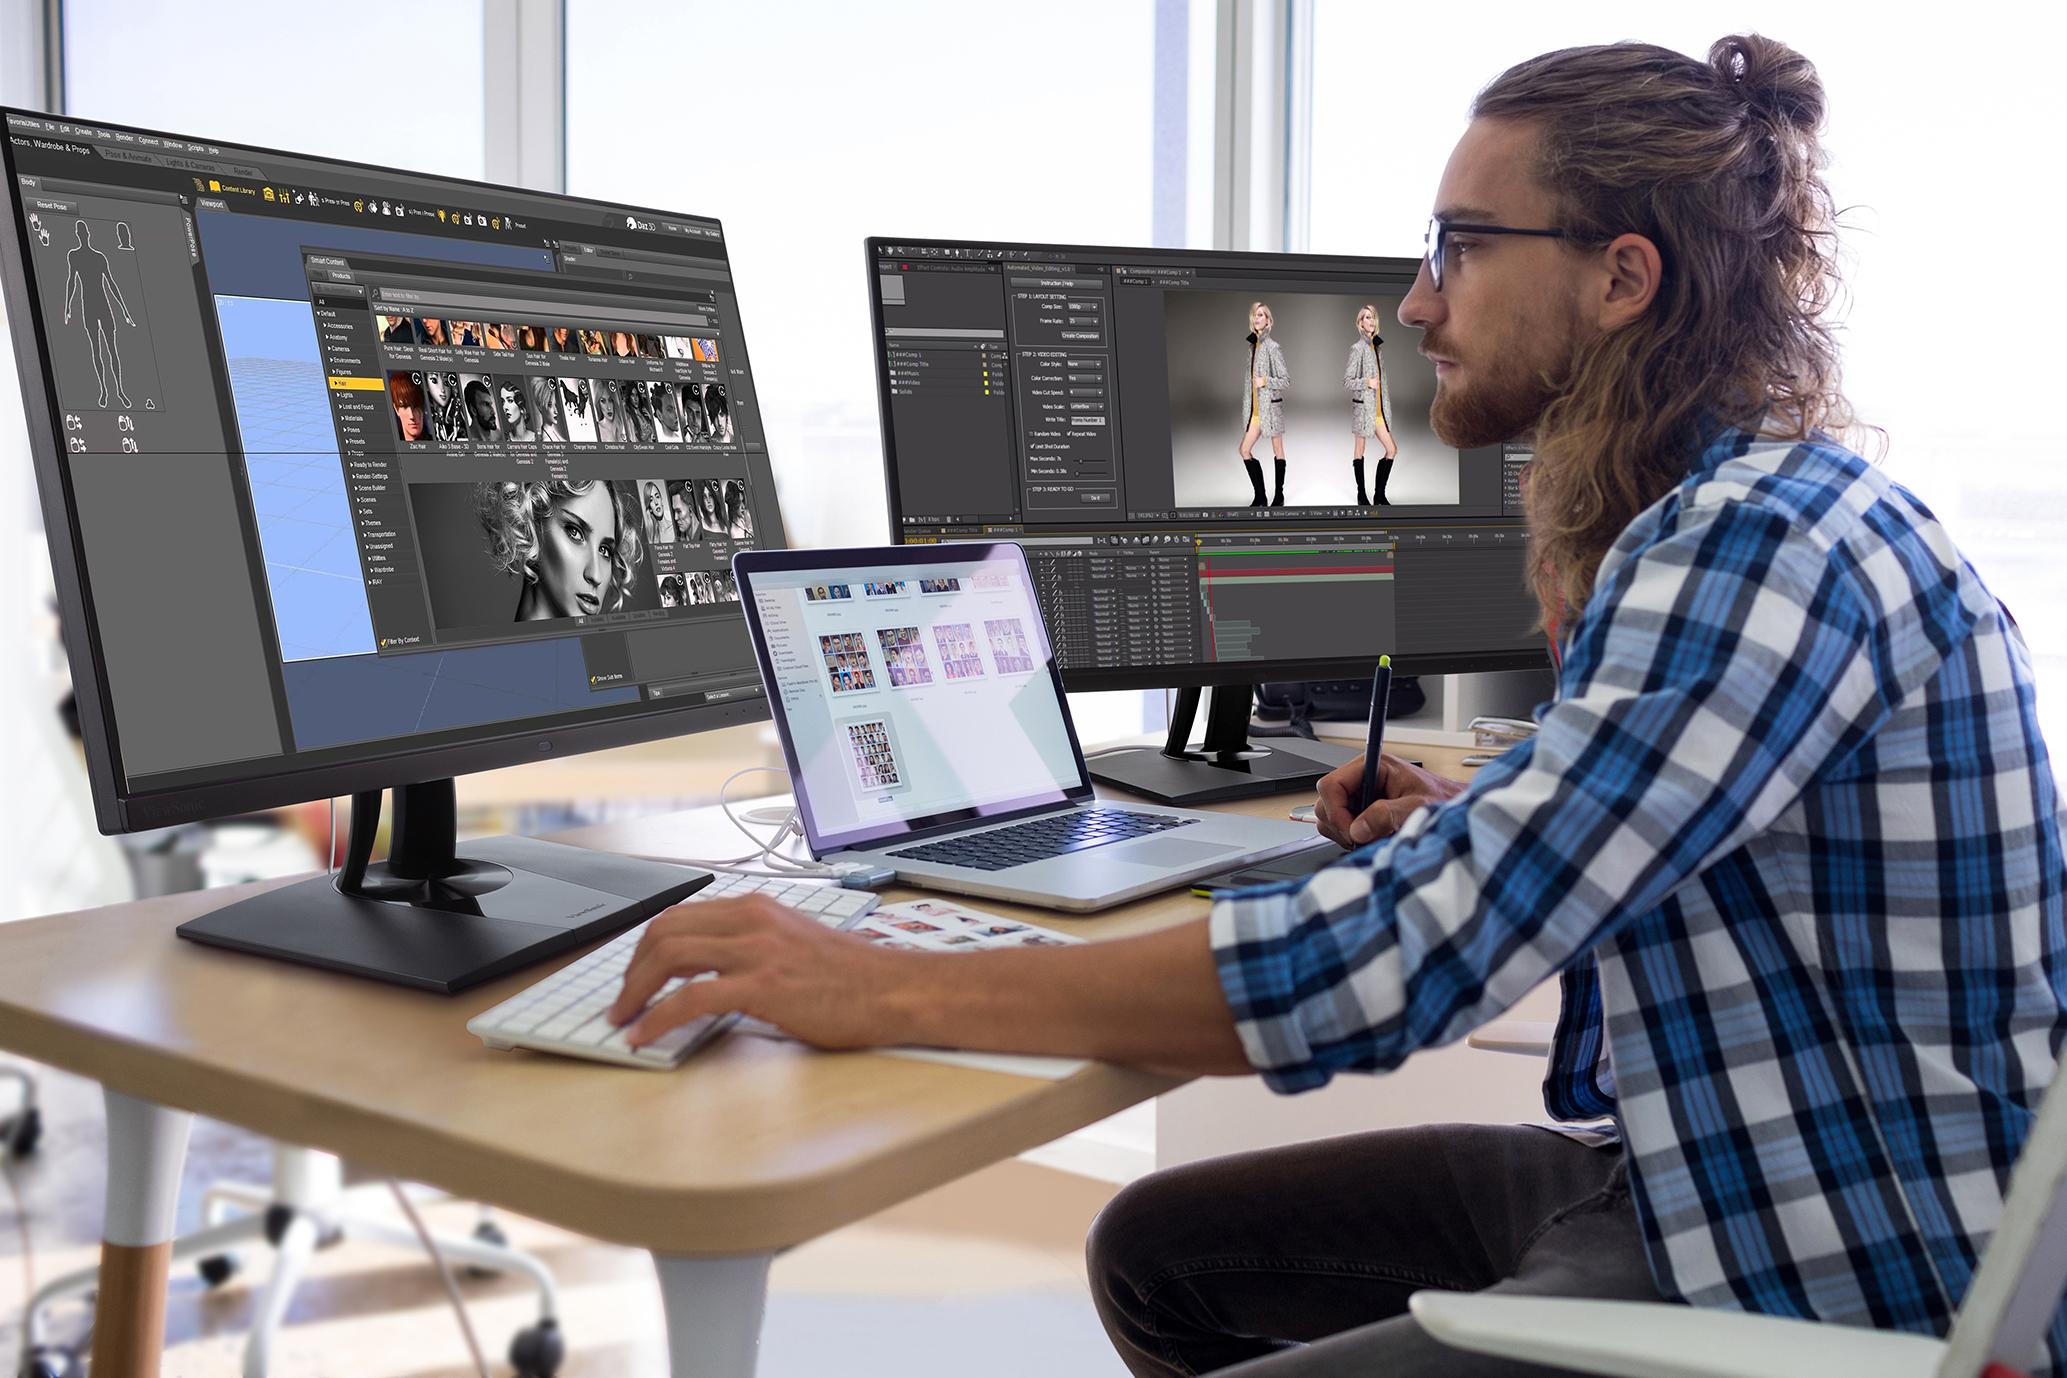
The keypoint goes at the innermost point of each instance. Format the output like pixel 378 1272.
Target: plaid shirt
pixel 1788 832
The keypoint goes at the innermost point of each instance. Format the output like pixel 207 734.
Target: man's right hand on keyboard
pixel 1152 1001
pixel 772 962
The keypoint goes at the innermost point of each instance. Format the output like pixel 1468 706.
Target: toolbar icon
pixel 441 217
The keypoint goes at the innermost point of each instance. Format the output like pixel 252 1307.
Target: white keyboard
pixel 566 1012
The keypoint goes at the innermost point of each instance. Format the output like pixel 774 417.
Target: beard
pixel 1508 396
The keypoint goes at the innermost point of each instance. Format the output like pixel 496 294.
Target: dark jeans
pixel 1301 1259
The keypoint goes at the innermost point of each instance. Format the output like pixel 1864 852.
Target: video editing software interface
pixel 1092 405
pixel 361 458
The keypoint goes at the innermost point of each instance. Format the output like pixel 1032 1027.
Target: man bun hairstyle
pixel 1720 165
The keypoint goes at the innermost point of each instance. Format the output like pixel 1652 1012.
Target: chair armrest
pixel 1627 1339
pixel 1529 1037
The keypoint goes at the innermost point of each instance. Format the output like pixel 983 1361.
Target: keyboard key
pixel 592 1033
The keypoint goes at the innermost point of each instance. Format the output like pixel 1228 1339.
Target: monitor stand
pixel 1225 766
pixel 439 916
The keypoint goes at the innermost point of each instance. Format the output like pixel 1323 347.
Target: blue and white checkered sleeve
pixel 1716 671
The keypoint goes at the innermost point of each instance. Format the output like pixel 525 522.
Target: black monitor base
pixel 1225 766
pixel 440 917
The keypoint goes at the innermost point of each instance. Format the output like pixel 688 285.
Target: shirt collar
pixel 1716 440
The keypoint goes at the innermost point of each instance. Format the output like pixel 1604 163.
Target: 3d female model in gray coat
pixel 1263 405
pixel 1371 398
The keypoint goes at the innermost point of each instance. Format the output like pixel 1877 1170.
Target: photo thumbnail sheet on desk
pixel 908 697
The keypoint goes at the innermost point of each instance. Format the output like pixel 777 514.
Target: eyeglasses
pixel 1435 244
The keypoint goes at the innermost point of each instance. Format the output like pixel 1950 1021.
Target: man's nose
pixel 1423 306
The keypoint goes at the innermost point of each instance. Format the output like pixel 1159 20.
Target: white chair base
pixel 309 1207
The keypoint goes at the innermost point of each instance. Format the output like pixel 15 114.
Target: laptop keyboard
pixel 1042 838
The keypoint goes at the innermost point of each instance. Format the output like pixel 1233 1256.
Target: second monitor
pixel 1222 468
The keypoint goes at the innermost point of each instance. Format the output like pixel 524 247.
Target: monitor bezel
pixel 118 809
pixel 1092 680
pixel 744 566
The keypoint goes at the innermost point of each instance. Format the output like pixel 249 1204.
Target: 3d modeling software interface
pixel 362 456
pixel 1193 491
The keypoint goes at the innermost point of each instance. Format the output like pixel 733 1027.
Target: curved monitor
pixel 1199 507
pixel 359 478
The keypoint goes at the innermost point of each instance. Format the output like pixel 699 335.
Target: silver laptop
pixel 923 718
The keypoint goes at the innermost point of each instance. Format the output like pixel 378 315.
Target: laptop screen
pixel 913 689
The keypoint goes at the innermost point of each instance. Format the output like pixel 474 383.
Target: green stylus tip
pixel 1386 661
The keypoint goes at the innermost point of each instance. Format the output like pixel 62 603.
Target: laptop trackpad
pixel 1172 853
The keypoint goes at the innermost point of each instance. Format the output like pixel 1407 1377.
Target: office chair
pixel 308 1207
pixel 1999 1332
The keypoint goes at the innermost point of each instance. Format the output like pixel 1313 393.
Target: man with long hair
pixel 1787 834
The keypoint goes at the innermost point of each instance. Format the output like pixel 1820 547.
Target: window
pixel 806 130
pixel 383 82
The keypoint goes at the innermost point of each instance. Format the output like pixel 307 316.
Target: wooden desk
pixel 751 1147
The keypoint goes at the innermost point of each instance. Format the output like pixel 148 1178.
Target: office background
pixel 1293 124
pixel 1297 124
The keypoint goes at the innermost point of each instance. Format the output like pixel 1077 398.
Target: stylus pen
pixel 1381 694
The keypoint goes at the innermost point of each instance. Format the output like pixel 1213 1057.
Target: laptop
pixel 922 716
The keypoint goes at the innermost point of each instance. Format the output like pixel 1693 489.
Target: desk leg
pixel 147 1147
pixel 713 1310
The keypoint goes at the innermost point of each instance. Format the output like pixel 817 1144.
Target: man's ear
pixel 1631 273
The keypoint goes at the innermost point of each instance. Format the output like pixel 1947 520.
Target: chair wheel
pixel 20 1132
pixel 488 1232
pixel 537 1350
pixel 217 1269
pixel 51 1361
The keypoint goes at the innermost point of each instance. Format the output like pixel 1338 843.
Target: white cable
pixel 459 1306
pixel 768 855
pixel 764 860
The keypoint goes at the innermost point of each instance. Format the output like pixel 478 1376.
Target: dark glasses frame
pixel 1433 242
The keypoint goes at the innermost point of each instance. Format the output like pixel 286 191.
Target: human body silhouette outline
pixel 97 317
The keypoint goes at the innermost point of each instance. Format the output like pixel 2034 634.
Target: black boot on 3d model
pixel 1357 465
pixel 1378 489
pixel 1255 468
pixel 1279 500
